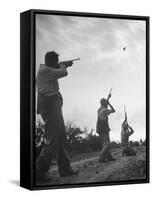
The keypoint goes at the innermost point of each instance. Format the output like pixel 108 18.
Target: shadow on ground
pixel 15 182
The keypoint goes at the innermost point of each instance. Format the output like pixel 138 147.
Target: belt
pixel 52 96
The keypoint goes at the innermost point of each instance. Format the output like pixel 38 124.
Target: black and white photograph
pixel 90 100
pixel 76 97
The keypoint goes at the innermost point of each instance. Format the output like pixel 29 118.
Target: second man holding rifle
pixel 103 128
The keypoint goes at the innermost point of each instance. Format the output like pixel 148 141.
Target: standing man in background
pixel 50 108
pixel 103 129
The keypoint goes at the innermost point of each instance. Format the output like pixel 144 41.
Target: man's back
pixel 103 113
pixel 125 134
pixel 47 82
pixel 124 137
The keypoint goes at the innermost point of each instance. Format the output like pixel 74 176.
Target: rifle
pixel 68 62
pixel 109 95
pixel 125 114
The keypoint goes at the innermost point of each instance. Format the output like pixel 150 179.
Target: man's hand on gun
pixel 68 63
pixel 109 95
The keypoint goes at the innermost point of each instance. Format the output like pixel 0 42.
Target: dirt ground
pixel 124 168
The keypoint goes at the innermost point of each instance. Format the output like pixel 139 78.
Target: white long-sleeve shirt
pixel 47 79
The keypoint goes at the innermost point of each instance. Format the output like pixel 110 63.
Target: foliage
pixel 77 140
pixel 134 143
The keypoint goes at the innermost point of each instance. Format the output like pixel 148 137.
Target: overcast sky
pixel 99 43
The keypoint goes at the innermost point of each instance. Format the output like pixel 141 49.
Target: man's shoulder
pixel 106 110
pixel 102 111
pixel 125 132
pixel 43 67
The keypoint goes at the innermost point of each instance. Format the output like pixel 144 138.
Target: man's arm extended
pixel 55 73
pixel 131 131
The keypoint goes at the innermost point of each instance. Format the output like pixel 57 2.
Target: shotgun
pixel 125 113
pixel 109 95
pixel 69 62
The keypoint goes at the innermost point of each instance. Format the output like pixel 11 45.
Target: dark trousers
pixel 105 143
pixel 50 109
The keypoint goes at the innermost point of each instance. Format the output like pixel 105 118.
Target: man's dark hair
pixel 104 102
pixel 51 59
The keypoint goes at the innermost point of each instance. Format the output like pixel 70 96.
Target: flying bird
pixel 124 48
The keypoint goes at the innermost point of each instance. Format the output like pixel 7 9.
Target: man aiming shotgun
pixel 50 103
pixel 126 132
pixel 103 128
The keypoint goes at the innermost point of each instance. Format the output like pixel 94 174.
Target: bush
pixel 77 140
